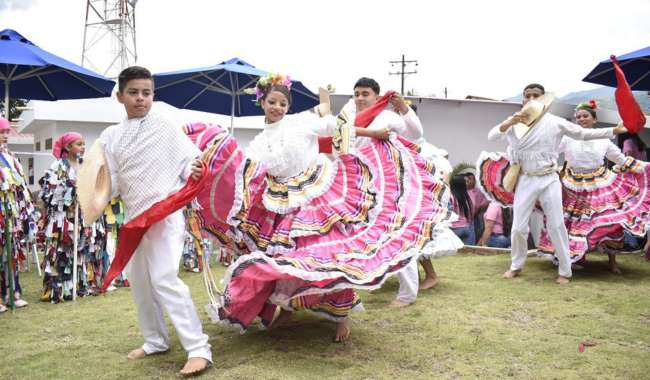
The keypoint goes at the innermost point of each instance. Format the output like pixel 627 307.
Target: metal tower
pixel 109 36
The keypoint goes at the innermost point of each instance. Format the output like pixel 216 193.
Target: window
pixel 38 146
pixel 48 144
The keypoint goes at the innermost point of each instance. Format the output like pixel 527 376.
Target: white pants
pixel 153 274
pixel 408 283
pixel 548 191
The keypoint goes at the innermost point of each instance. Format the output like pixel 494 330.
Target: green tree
pixel 14 104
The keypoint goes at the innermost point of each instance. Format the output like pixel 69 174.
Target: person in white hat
pixel 16 199
pixel 536 152
pixel 148 159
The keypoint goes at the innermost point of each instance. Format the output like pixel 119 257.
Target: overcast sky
pixel 485 48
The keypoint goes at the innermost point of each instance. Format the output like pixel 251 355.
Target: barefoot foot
pixel 194 366
pixel 396 304
pixel 342 331
pixel 429 283
pixel 136 354
pixel 511 273
pixel 561 280
pixel 615 269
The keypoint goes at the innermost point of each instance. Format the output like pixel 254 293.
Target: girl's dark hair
pixel 459 191
pixel 131 73
pixel 590 110
pixel 279 88
pixel 506 220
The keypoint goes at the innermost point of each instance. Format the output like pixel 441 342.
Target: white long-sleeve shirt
pixel 408 125
pixel 148 159
pixel 584 156
pixel 539 149
pixel 290 146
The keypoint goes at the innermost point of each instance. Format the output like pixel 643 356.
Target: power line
pixel 403 62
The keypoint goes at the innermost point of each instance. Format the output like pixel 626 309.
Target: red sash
pixel 131 233
pixel 362 120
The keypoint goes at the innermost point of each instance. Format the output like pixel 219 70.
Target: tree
pixel 14 104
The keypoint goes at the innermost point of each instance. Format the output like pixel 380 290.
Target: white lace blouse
pixel 589 155
pixel 290 146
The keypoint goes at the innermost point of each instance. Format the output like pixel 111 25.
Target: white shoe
pixel 3 308
pixel 20 303
pixel 110 288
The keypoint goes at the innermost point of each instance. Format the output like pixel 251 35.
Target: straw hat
pixel 324 108
pixel 535 109
pixel 93 184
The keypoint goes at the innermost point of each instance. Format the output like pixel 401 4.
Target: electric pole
pixel 402 72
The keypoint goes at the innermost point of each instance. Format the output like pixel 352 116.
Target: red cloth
pixel 628 108
pixel 362 120
pixel 131 233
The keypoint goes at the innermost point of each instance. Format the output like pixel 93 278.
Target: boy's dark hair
pixel 131 73
pixel 535 85
pixel 367 82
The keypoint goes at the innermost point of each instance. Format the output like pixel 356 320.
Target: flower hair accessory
pixel 266 82
pixel 591 105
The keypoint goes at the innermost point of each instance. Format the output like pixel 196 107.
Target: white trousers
pixel 548 191
pixel 408 283
pixel 153 275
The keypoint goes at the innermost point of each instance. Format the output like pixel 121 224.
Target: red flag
pixel 628 108
pixel 131 233
pixel 362 120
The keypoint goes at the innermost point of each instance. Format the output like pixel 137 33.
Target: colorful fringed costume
pixel 58 194
pixel 17 223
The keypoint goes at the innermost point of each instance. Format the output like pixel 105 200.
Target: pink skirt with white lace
pixel 342 224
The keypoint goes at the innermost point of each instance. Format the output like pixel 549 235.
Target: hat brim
pixel 93 184
pixel 521 129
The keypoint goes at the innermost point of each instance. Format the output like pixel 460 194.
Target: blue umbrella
pixel 220 89
pixel 30 72
pixel 636 66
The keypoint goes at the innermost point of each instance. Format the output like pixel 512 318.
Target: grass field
pixel 473 325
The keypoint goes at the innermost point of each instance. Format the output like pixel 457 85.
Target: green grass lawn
pixel 473 325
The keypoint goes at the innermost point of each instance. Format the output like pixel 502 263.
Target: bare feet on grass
pixel 342 331
pixel 430 275
pixel 561 280
pixel 511 273
pixel 136 354
pixel 429 282
pixel 396 304
pixel 194 366
pixel 613 265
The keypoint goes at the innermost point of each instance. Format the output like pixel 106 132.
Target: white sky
pixel 485 48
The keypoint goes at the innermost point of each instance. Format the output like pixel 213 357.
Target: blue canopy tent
pixel 220 89
pixel 27 71
pixel 636 66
